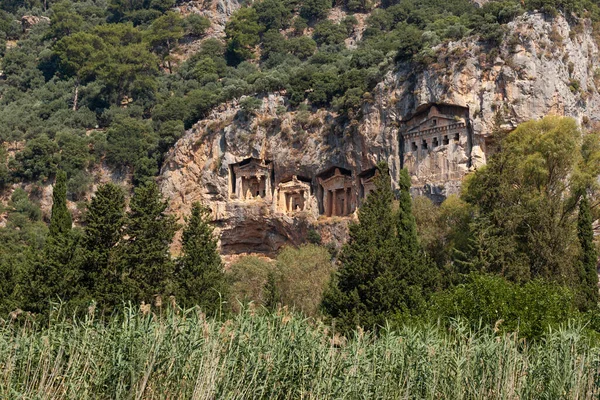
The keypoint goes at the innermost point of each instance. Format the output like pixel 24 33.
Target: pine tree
pixel 358 294
pixel 200 276
pixel 102 233
pixel 588 298
pixel 54 274
pixel 145 256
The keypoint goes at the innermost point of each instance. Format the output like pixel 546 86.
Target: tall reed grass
pixel 182 355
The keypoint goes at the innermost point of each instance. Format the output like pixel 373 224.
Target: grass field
pixel 283 356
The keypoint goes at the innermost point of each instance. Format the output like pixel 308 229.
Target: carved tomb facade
pixel 251 180
pixel 337 193
pixel 436 144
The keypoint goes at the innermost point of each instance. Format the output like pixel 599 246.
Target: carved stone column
pixel 267 187
pixel 238 187
pixel 335 205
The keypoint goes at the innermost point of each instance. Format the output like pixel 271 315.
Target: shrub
pixel 247 278
pixel 196 25
pixel 492 300
pixel 302 275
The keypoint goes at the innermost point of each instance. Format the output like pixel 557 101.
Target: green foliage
pixel 102 274
pixel 588 268
pixel 137 11
pixel 37 161
pixel 302 275
pixel 164 34
pixel 273 14
pixel 383 273
pixel 144 254
pixel 283 355
pixel 23 236
pixel 129 142
pixel 64 20
pixel 250 105
pixel 302 47
pixel 53 275
pixel 315 9
pixel 525 201
pixel 4 172
pixel 327 32
pixel 247 278
pixel 199 275
pixel 530 309
pixel 243 33
pixel 113 54
pixel 196 25
pixel 60 218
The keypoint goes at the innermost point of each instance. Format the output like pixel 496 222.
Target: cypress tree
pixel 102 233
pixel 54 274
pixel 145 256
pixel 384 273
pixel 60 220
pixel 418 276
pixel 588 297
pixel 406 226
pixel 363 290
pixel 200 276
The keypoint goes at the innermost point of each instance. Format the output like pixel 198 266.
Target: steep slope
pixel 546 66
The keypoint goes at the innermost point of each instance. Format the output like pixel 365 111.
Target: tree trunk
pixel 75 99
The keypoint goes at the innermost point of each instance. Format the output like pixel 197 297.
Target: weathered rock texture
pixel 545 66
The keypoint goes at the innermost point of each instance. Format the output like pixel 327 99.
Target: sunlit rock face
pixel 437 121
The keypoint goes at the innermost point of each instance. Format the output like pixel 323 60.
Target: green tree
pixel 271 292
pixel 588 270
pixel 60 219
pixel 164 34
pixel 64 20
pixel 129 141
pixel 526 198
pixel 144 255
pixel 55 275
pixel 200 277
pixel 375 281
pixel 243 33
pixel 196 25
pixel 315 9
pixel 4 172
pixel 104 220
pixel 273 14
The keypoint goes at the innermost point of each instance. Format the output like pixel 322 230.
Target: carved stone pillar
pixel 335 202
pixel 238 187
pixel 347 202
pixel 267 187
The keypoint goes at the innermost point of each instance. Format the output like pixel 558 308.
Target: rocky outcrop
pixel 27 21
pixel 217 11
pixel 544 66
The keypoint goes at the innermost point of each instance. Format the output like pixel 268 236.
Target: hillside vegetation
pixel 101 81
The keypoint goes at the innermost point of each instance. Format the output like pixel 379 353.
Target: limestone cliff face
pixel 545 66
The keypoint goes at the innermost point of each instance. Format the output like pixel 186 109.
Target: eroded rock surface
pixel 545 66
